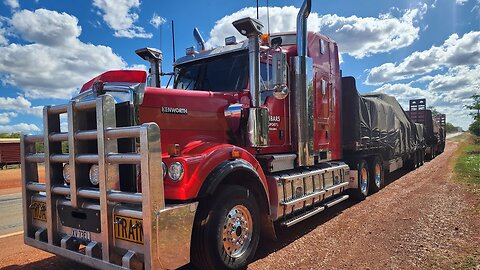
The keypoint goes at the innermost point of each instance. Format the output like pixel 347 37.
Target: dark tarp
pixel 432 128
pixel 376 121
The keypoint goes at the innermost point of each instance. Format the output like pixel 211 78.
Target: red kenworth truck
pixel 253 134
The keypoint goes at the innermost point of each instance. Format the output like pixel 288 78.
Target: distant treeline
pixel 10 135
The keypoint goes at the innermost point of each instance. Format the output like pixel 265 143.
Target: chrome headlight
pixel 164 169
pixel 175 171
pixel 93 175
pixel 66 173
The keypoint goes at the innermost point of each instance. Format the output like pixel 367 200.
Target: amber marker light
pixel 174 150
pixel 265 38
pixel 235 154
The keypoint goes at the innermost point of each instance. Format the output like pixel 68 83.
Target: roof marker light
pixel 232 40
pixel 190 51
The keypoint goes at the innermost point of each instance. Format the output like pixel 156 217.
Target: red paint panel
pixel 133 76
pixel 199 161
pixel 9 153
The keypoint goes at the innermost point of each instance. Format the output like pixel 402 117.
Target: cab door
pixel 323 95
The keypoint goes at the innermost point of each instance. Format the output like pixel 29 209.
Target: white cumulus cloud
pixel 56 62
pixel 21 127
pixel 448 92
pixel 356 36
pixel 157 20
pixel 13 4
pixel 3 32
pixel 453 52
pixel 119 16
pixel 46 27
pixel 5 117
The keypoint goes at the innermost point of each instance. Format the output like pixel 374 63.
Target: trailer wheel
pixel 226 230
pixel 377 174
pixel 416 162
pixel 361 192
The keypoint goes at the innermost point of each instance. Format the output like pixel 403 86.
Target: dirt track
pixel 422 220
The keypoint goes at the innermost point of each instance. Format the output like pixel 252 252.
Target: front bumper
pixel 81 222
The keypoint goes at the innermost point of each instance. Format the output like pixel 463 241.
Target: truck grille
pixel 45 203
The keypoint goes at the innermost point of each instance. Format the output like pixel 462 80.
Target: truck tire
pixel 377 174
pixel 226 230
pixel 361 192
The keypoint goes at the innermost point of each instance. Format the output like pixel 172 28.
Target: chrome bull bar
pixel 162 225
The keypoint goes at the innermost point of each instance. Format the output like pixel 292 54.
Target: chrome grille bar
pixel 108 173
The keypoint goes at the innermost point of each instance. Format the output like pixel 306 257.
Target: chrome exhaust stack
pixel 258 117
pixel 302 98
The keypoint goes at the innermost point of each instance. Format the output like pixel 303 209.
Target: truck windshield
pixel 224 73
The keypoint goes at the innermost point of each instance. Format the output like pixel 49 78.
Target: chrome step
pixel 337 200
pixel 303 216
pixel 314 211
pixel 304 198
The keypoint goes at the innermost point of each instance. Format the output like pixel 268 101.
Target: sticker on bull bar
pixel 128 229
pixel 39 210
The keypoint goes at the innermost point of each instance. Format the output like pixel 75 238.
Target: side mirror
pixel 279 66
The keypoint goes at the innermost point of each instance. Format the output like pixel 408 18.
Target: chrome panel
pixel 258 133
pixel 306 187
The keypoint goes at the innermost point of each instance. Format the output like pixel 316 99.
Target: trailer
pixel 253 135
pixel 378 133
pixel 435 126
pixel 9 152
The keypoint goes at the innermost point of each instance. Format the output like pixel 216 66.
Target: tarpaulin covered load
pixel 432 128
pixel 375 121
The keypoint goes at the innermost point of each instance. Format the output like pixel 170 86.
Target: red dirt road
pixel 422 220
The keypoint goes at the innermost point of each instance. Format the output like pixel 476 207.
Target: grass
pixel 467 166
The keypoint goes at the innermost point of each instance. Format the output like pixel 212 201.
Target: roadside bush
pixel 475 127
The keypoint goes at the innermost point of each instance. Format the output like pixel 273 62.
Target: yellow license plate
pixel 128 229
pixel 39 210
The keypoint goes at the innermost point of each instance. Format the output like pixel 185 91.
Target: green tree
pixel 475 127
pixel 434 111
pixel 451 128
pixel 475 106
pixel 10 135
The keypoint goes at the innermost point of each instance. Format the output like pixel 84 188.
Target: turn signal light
pixel 235 154
pixel 265 38
pixel 174 150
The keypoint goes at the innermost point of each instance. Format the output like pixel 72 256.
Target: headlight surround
pixel 176 171
pixel 66 173
pixel 93 175
pixel 164 169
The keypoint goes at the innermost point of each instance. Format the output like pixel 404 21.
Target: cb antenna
pixel 173 40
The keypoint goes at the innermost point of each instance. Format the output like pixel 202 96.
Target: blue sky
pixel 409 49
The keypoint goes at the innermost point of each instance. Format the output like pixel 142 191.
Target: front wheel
pixel 226 230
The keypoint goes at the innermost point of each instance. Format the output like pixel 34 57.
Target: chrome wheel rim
pixel 378 175
pixel 364 180
pixel 237 231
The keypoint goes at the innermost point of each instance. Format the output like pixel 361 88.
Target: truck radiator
pixel 90 224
